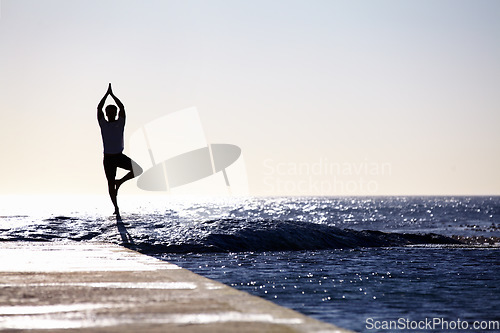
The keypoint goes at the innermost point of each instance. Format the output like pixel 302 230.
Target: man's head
pixel 111 112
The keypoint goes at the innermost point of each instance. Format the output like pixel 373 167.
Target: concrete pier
pixel 90 287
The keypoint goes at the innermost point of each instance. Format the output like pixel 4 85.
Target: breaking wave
pixel 271 224
pixel 224 235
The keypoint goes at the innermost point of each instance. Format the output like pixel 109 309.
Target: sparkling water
pixel 359 263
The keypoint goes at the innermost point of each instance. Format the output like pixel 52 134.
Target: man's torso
pixel 112 135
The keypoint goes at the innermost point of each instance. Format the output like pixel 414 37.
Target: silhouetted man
pixel 112 139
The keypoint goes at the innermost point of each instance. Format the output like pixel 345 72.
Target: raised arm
pixel 100 113
pixel 121 112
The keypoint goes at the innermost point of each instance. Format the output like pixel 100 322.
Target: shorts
pixel 113 161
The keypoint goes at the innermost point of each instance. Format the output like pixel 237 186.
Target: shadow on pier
pixel 127 240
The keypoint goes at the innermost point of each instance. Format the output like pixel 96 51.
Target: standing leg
pixel 112 190
pixel 110 171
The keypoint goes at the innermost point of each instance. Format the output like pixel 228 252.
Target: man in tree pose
pixel 112 139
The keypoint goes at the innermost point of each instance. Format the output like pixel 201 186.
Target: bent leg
pixel 128 164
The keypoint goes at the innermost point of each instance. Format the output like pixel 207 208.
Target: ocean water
pixel 348 287
pixel 359 263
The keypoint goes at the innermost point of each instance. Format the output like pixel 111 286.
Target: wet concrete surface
pixel 97 287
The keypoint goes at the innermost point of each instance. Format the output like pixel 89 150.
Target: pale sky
pixel 323 97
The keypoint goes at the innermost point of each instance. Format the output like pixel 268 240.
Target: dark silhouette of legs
pixel 112 194
pixel 111 163
pixel 134 171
